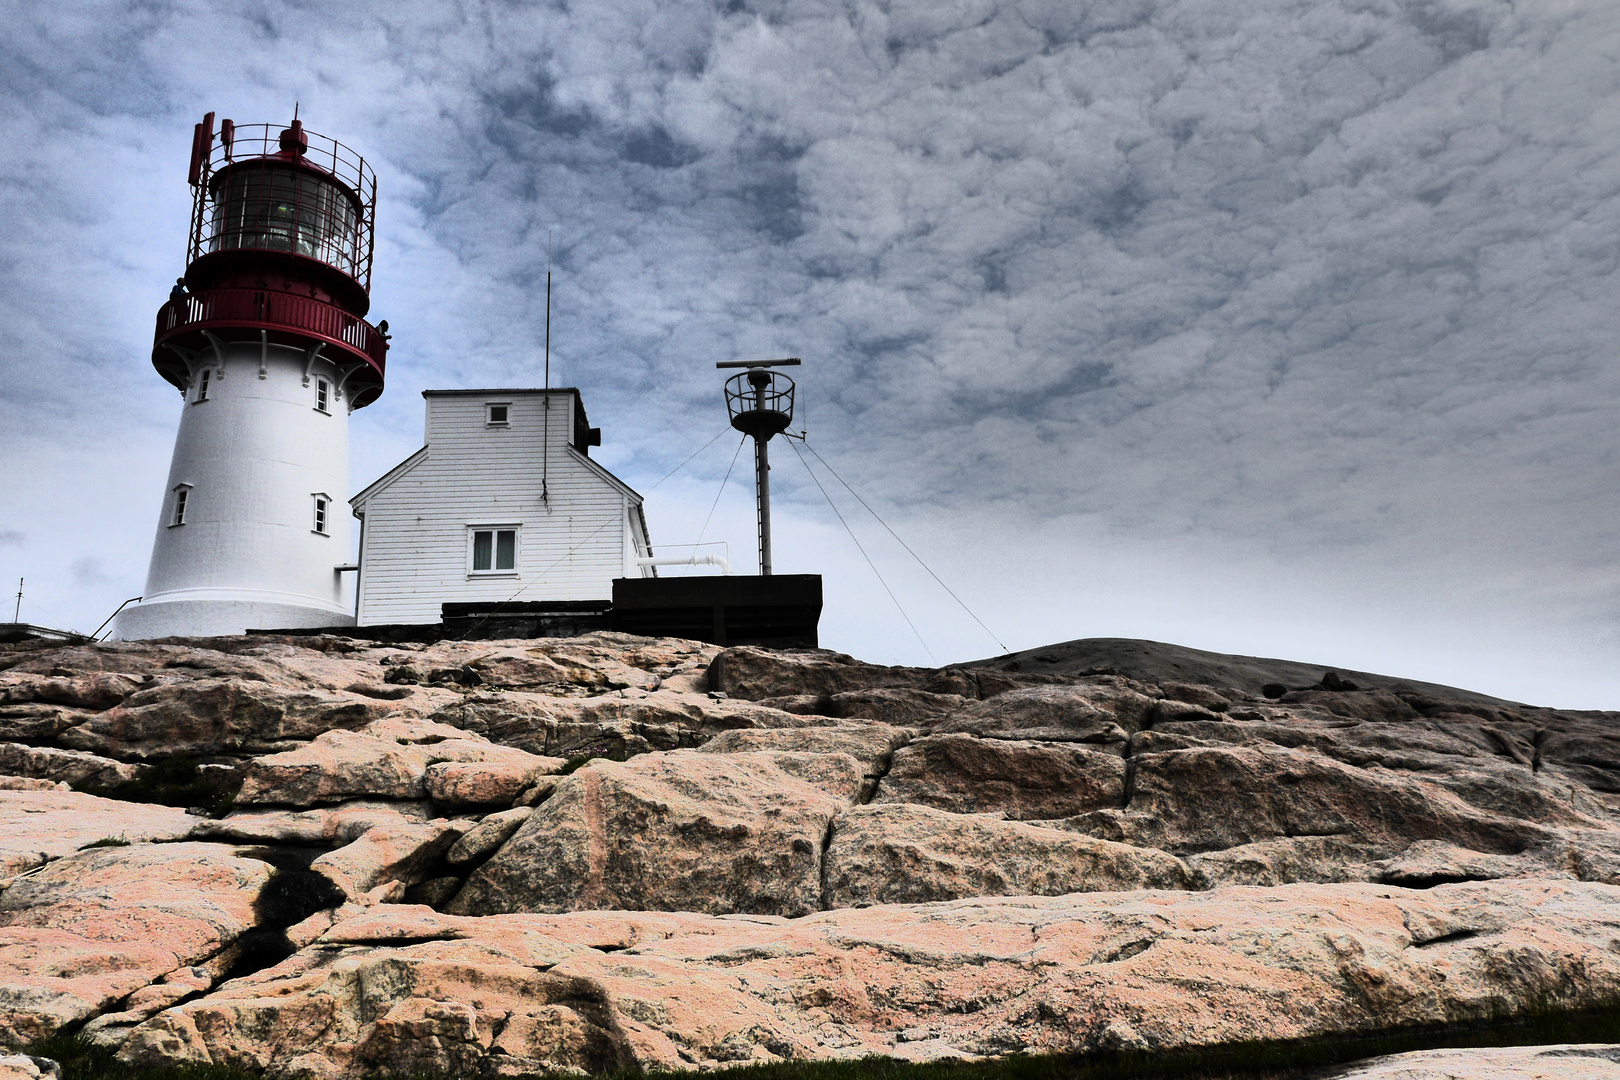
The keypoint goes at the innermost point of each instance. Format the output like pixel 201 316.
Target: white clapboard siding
pixel 414 541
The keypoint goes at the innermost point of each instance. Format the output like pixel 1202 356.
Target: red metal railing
pixel 290 205
pixel 265 309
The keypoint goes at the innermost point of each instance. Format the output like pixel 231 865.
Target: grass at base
pixel 82 1060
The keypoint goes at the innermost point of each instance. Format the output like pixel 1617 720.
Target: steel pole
pixel 762 497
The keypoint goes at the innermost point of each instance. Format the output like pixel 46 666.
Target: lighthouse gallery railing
pixel 267 309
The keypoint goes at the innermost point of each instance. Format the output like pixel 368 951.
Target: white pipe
pixel 687 560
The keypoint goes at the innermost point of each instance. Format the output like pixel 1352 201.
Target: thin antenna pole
pixel 545 438
pixel 16 615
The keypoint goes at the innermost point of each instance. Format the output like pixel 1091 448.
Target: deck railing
pixel 266 309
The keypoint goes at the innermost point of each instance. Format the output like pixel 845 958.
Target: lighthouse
pixel 268 344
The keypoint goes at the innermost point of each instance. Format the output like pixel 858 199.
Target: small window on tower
pixel 499 415
pixel 180 494
pixel 322 393
pixel 494 551
pixel 202 385
pixel 321 502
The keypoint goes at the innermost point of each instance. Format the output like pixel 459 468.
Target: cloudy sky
pixel 1283 327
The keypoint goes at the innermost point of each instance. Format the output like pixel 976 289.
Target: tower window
pixel 499 415
pixel 322 393
pixel 321 502
pixel 494 551
pixel 202 385
pixel 180 494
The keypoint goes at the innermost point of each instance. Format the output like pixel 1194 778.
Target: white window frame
pixel 515 528
pixel 489 413
pixel 323 513
pixel 178 505
pixel 202 386
pixel 323 396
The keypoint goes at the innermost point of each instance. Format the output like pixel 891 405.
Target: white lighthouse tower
pixel 271 352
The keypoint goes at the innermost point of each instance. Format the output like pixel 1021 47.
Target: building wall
pixel 252 455
pixel 414 539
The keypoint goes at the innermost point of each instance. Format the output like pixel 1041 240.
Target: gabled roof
pixel 609 477
pixel 388 477
pixel 504 390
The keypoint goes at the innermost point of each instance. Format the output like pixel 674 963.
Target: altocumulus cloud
pixel 1267 325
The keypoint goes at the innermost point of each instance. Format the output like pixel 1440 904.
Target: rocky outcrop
pixel 906 854
pixel 894 706
pixel 72 767
pixel 325 826
pixel 487 836
pixel 1022 780
pixel 28 1067
pixel 40 825
pixel 1591 1061
pixel 1102 713
pixel 681 831
pixel 1156 662
pixel 765 673
pixel 873 745
pixel 604 989
pixel 212 716
pixel 1208 798
pixel 498 857
pixel 400 854
pixel 102 925
pixel 341 765
pixel 616 724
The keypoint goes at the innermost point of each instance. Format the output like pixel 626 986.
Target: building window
pixel 322 391
pixel 493 551
pixel 498 415
pixel 202 385
pixel 180 496
pixel 321 503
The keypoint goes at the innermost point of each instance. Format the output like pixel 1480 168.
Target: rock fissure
pixel 293 893
pixel 824 899
pixel 1447 939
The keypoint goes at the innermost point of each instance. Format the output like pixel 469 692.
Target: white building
pixel 503 504
pixel 251 533
pixel 268 345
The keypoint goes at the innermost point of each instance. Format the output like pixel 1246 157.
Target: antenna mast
pixel 16 616
pixel 761 404
pixel 545 439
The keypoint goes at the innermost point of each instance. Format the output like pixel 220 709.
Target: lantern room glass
pixel 286 208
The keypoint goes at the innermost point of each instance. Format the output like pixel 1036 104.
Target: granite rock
pixel 38 826
pixel 94 927
pixel 339 765
pixel 675 831
pixel 1061 974
pixel 904 854
pixel 969 775
pixel 1590 1061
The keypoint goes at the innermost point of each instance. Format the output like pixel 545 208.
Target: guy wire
pixel 795 444
pixel 907 546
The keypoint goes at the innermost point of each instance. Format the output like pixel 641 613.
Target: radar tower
pixel 760 401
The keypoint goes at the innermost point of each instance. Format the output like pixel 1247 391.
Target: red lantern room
pixel 279 252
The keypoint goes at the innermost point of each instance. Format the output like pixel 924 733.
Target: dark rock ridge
pixel 1156 662
pixel 323 856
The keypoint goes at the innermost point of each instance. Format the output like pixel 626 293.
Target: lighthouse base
pixel 218 618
